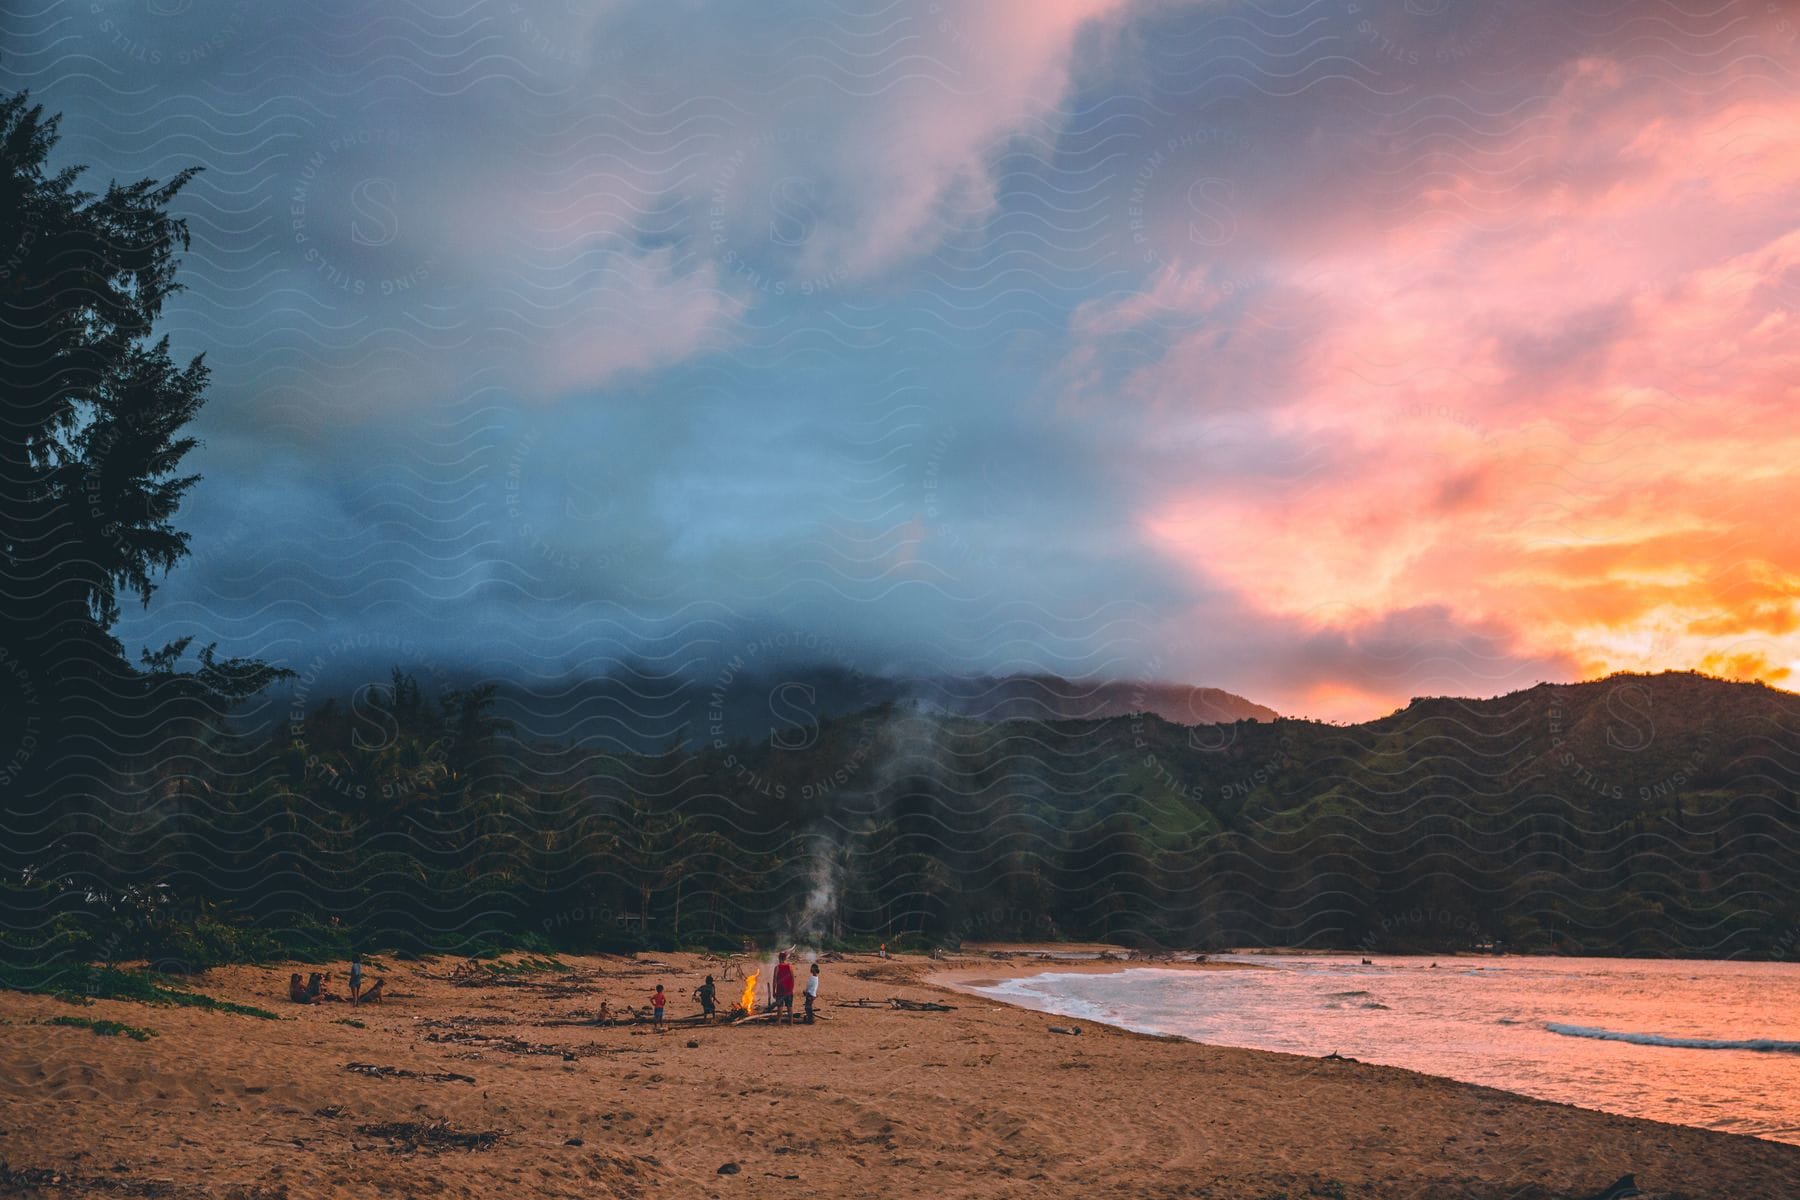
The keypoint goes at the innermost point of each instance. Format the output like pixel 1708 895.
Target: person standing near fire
pixel 812 991
pixel 784 988
pixel 707 994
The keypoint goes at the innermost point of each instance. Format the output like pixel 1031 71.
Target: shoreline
pixel 960 977
pixel 976 1101
pixel 966 980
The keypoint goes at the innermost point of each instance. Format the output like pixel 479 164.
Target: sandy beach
pixel 512 1090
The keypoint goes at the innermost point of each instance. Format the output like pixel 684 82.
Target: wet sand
pixel 871 1102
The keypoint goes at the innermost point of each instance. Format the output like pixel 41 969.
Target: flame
pixel 749 1001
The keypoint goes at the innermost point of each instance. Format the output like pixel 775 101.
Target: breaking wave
pixel 1767 1045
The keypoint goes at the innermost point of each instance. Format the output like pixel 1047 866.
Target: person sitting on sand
pixel 319 984
pixel 656 1002
pixel 315 988
pixel 297 991
pixel 812 992
pixel 373 995
pixel 784 989
pixel 604 1016
pixel 707 994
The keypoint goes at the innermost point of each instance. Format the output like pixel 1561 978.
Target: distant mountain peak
pixel 1056 698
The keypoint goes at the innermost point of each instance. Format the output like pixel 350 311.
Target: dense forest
pixel 1638 814
pixel 141 819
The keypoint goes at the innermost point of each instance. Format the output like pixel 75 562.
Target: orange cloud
pixel 1745 667
pixel 1578 416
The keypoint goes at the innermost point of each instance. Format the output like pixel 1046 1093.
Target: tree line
pixel 426 823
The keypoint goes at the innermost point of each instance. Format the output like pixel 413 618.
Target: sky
pixel 1332 352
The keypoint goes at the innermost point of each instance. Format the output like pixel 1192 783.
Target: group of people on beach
pixel 781 996
pixel 314 990
pixel 780 1003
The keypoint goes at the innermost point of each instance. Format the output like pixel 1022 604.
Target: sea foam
pixel 1767 1045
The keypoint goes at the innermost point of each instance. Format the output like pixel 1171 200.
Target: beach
pixel 509 1088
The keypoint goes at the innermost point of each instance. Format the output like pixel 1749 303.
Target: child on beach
pixel 355 979
pixel 707 995
pixel 812 992
pixel 657 1001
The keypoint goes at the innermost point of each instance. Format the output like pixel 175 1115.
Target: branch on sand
pixel 380 1072
pixel 408 1136
pixel 761 1016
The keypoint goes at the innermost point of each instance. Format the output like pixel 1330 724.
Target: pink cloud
pixel 1553 393
pixel 635 312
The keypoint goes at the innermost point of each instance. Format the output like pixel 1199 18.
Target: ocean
pixel 1704 1043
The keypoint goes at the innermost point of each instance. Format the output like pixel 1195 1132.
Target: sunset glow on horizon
pixel 1571 417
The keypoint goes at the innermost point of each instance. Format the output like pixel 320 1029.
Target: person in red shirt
pixel 657 1001
pixel 784 989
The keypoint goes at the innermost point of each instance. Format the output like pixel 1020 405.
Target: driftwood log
pixel 381 1072
pixel 761 1016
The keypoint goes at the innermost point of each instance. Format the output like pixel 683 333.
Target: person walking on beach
pixel 812 992
pixel 656 1002
pixel 707 994
pixel 784 989
pixel 355 979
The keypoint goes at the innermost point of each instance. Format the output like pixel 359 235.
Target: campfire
pixel 748 1003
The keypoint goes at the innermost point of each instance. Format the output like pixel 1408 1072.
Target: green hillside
pixel 1636 814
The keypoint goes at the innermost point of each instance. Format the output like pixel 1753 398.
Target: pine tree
pixel 91 446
